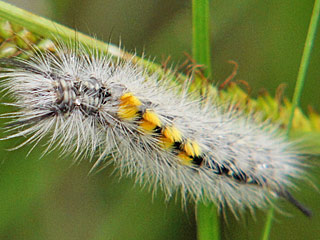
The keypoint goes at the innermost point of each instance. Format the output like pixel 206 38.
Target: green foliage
pixel 207 215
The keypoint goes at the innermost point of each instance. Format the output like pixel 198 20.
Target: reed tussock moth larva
pixel 160 133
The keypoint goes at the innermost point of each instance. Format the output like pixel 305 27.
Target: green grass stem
pixel 305 60
pixel 207 215
pixel 50 29
pixel 43 26
pixel 208 227
pixel 200 35
pixel 298 90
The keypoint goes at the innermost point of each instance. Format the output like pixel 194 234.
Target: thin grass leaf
pixel 298 90
pixel 207 215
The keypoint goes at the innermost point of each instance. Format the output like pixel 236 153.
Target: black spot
pixel 236 177
pixel 139 116
pixel 197 160
pixel 177 145
pixel 224 170
pixel 157 130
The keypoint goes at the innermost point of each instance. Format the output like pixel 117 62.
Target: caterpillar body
pixel 160 133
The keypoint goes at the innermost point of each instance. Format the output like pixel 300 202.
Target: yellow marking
pixel 129 99
pixel 196 149
pixel 147 126
pixel 187 147
pixel 128 106
pixel 127 112
pixel 150 121
pixel 126 95
pixel 165 143
pixel 185 159
pixel 172 133
pixel 152 117
pixel 192 148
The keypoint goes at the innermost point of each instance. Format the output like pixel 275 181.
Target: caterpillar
pixel 89 103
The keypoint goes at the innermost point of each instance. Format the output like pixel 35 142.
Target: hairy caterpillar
pixel 156 131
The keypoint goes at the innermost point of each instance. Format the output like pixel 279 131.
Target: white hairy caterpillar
pixel 158 132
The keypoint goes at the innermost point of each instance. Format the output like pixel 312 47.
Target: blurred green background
pixel 51 198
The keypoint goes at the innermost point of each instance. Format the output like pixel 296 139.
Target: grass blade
pixel 298 89
pixel 200 35
pixel 207 216
pixel 207 222
pixel 305 60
